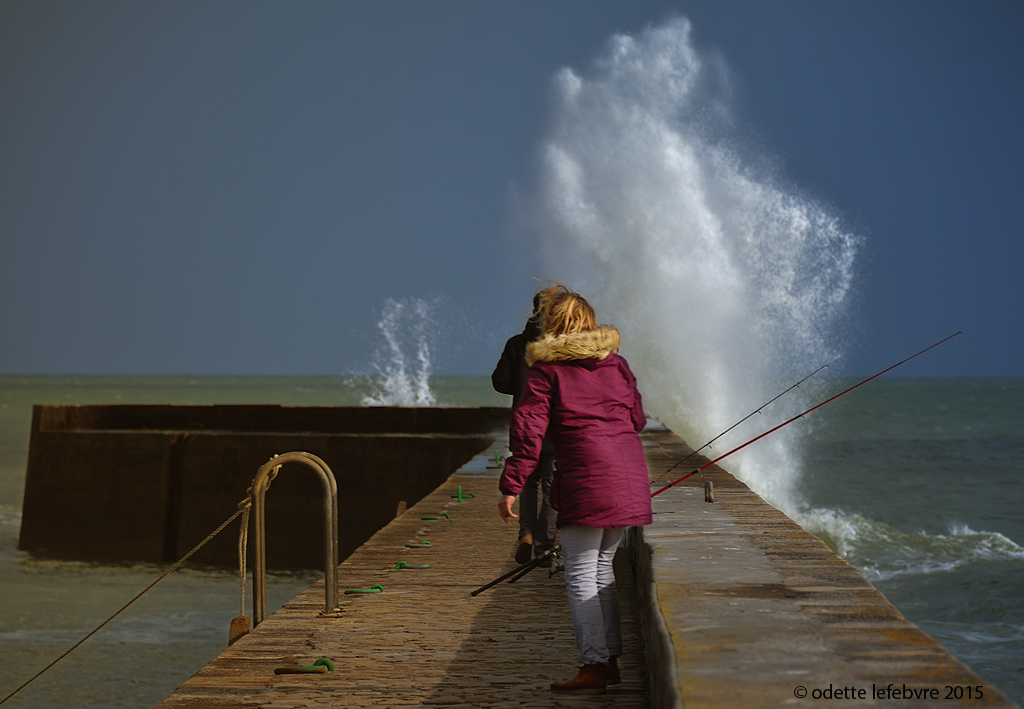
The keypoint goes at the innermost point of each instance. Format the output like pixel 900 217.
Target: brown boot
pixel 524 552
pixel 589 680
pixel 611 672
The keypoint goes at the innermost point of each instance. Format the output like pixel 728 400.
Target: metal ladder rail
pixel 330 490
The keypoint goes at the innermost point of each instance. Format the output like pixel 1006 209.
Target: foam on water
pixel 726 284
pixel 881 551
pixel 10 517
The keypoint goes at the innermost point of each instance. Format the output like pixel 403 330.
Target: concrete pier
pixel 744 608
pixel 736 606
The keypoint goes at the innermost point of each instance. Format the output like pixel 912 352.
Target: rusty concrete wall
pixel 147 483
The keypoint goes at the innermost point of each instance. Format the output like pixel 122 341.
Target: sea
pixel 915 481
pixel 729 283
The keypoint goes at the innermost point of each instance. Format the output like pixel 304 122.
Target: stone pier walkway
pixel 742 608
pixel 424 640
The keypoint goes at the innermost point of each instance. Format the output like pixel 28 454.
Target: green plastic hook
pixel 443 514
pixel 375 588
pixel 407 565
pixel 463 495
pixel 322 662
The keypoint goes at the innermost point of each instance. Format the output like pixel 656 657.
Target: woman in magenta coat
pixel 583 395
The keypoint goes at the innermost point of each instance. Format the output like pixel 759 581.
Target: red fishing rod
pixel 799 416
pixel 752 413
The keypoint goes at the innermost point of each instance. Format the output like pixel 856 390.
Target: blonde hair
pixel 564 312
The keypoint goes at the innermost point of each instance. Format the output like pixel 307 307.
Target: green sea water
pixel 917 482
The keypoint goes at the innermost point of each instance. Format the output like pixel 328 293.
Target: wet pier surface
pixel 424 640
pixel 734 605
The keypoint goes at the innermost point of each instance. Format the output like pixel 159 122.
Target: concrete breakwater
pixel 744 608
pixel 147 482
pixel 735 606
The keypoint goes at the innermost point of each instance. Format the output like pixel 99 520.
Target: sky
pixel 226 187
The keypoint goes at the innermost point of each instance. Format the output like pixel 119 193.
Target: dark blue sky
pixel 237 187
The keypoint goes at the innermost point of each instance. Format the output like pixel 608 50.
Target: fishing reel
pixel 557 564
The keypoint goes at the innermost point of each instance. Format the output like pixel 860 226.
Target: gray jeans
pixel 593 597
pixel 536 516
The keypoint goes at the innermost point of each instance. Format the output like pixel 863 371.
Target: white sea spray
pixel 403 376
pixel 727 284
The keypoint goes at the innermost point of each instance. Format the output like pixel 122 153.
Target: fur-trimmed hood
pixel 589 344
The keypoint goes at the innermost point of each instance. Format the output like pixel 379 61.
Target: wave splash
pixel 881 551
pixel 403 379
pixel 727 285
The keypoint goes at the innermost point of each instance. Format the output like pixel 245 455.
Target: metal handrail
pixel 330 490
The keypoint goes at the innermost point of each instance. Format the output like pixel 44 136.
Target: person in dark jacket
pixel 582 394
pixel 537 518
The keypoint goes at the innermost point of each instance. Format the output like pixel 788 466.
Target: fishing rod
pixel 798 416
pixel 520 570
pixel 756 411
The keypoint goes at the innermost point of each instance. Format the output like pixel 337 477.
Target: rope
pixel 244 507
pixel 243 542
pixel 129 603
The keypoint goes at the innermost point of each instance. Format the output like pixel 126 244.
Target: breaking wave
pixel 402 364
pixel 727 284
pixel 881 551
